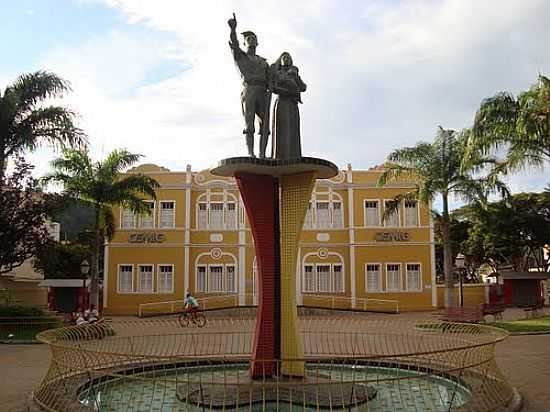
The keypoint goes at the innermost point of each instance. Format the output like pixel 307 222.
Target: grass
pixel 541 324
pixel 20 335
pixel 25 329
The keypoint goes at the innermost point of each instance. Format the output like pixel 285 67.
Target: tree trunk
pixel 94 278
pixel 3 163
pixel 447 254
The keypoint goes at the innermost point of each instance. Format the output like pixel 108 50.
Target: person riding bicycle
pixel 191 305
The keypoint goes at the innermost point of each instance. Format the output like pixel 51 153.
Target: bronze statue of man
pixel 255 97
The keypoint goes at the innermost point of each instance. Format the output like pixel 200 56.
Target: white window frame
pixel 380 284
pixel 207 223
pixel 220 265
pixel 152 216
pixel 400 277
pixel 225 277
pixel 398 211
pixel 329 273
pixel 378 208
pixel 224 288
pixel 139 266
pixel 205 289
pixel 226 224
pixel 341 264
pixel 315 280
pixel 118 278
pixel 209 209
pixel 328 224
pixel 334 224
pixel 420 285
pixel 405 221
pixel 158 278
pixel 134 218
pixel 331 198
pixel 160 214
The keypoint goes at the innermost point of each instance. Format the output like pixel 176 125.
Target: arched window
pixel 217 210
pixel 323 272
pixel 325 211
pixel 216 272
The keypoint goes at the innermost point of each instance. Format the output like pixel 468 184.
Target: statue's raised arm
pixel 233 41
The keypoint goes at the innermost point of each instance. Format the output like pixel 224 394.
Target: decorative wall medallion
pixel 322 252
pixel 216 253
pixel 199 178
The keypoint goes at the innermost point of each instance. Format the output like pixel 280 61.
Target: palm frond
pixel 394 172
pixel 132 184
pixel 392 206
pixel 53 124
pixel 117 161
pixel 32 88
pixel 494 122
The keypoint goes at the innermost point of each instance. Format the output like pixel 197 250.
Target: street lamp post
pixel 84 269
pixel 459 264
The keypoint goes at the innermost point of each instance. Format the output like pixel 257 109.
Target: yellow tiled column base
pixel 295 195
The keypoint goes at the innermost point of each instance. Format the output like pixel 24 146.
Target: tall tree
pixel 103 185
pixel 519 126
pixel 26 123
pixel 512 232
pixel 24 212
pixel 437 170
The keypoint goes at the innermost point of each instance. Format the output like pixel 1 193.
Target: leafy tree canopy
pixel 61 260
pixel 23 213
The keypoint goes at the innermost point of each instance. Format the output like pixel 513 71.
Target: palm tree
pixel 519 126
pixel 25 123
pixel 436 170
pixel 103 185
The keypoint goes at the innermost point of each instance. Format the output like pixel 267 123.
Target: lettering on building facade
pixel 392 237
pixel 147 238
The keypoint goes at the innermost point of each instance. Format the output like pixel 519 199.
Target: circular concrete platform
pixel 315 394
pixel 275 167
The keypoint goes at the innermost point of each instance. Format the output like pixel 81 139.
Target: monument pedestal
pixel 276 196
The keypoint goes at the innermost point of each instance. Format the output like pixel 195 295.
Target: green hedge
pixel 21 311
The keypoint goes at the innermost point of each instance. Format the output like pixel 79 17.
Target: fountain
pixel 274 360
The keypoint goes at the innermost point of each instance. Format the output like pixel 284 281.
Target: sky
pixel 157 77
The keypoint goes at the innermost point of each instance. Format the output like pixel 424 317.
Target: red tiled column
pixel 261 201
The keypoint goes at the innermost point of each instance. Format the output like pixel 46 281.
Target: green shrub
pixel 11 311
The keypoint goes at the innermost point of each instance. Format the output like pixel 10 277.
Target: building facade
pixel 197 237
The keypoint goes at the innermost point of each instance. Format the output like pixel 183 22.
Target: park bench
pixel 494 309
pixel 469 314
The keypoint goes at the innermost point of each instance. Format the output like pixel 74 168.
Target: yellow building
pixel 197 238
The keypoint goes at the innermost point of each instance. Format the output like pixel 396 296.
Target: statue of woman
pixel 287 84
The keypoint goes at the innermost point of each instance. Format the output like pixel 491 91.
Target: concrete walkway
pixel 22 368
pixel 525 361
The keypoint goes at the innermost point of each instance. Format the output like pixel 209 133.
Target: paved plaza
pixel 525 360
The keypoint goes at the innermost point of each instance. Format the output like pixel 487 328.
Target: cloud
pixel 380 75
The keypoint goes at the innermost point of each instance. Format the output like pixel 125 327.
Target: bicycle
pixel 187 319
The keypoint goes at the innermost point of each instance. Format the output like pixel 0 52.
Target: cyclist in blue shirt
pixel 191 305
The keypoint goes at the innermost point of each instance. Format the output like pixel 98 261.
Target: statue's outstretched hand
pixel 232 22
